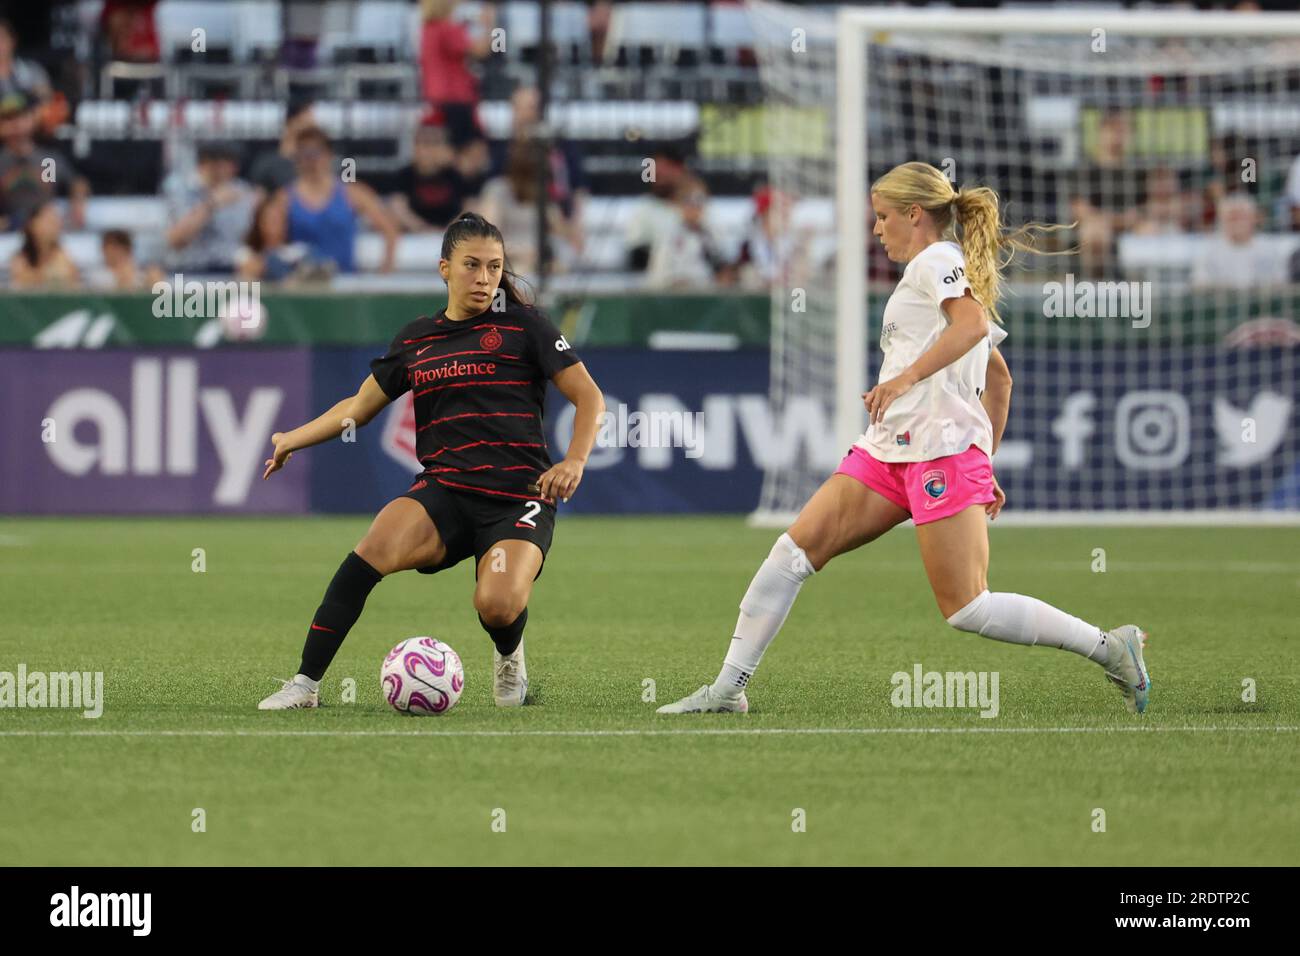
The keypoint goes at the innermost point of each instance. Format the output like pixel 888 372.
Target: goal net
pixel 1155 357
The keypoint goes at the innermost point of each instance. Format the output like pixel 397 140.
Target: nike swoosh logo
pixel 423 350
pixel 317 627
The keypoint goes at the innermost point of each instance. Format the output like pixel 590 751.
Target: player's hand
pixel 994 507
pixel 279 457
pixel 883 395
pixel 561 481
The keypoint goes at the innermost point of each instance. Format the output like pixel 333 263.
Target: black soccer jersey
pixel 478 387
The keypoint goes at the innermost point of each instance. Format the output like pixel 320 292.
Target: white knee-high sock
pixel 763 610
pixel 1025 620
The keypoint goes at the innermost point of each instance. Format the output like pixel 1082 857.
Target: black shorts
pixel 470 524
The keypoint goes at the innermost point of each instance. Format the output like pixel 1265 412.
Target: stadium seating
pixel 702 54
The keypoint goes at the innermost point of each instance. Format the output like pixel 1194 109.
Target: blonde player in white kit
pixel 936 417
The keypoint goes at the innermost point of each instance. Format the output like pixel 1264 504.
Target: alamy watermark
pixel 78 690
pixel 232 301
pixel 75 908
pixel 1098 300
pixel 959 689
pixel 620 428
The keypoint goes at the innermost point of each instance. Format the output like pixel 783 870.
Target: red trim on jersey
pixel 434 358
pixel 443 335
pixel 468 384
pixel 474 444
pixel 489 491
pixel 475 415
pixel 439 471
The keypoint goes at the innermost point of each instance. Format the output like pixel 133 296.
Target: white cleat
pixel 293 696
pixel 1125 667
pixel 706 701
pixel 509 678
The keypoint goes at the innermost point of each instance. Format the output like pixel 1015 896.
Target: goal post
pixel 1024 101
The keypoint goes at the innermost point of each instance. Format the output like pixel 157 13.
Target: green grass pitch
pixel 1204 777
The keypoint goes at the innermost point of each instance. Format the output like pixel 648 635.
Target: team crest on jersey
pixel 491 340
pixel 935 483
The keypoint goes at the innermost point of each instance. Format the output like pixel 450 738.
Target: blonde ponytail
pixel 970 217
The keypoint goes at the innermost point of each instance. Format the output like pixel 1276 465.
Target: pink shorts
pixel 927 490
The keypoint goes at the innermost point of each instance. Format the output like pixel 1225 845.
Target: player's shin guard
pixel 763 610
pixel 507 638
pixel 1024 620
pixel 339 610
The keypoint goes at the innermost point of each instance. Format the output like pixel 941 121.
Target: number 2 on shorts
pixel 531 511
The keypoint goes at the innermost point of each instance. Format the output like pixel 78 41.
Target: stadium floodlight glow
pixel 886 85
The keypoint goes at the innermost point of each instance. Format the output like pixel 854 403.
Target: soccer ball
pixel 422 676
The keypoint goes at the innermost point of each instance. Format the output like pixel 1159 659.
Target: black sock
pixel 507 638
pixel 339 610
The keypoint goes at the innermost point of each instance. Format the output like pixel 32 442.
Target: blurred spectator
pixel 1167 208
pixel 510 201
pixel 598 20
pixel 267 253
pixel 766 249
pixel 445 46
pixel 18 75
pixel 129 28
pixel 41 262
pixel 429 193
pixel 209 212
pixel 30 175
pixel 654 214
pixel 1226 154
pixel 1291 197
pixel 121 271
pixel 321 210
pixel 1236 257
pixel 274 168
pixel 474 163
pixel 688 256
pixel 568 182
pixel 1105 197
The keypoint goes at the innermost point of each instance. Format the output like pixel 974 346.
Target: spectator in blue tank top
pixel 320 210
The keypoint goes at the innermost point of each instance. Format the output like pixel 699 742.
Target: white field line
pixel 695 732
pixel 1234 567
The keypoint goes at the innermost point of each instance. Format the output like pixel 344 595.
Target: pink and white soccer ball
pixel 422 676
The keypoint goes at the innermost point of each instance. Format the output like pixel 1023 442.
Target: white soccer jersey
pixel 941 415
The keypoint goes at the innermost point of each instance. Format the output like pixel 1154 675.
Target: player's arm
pixel 967 325
pixel 997 395
pixel 355 410
pixel 997 402
pixel 576 384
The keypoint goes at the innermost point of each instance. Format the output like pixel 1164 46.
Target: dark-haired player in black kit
pixel 478 371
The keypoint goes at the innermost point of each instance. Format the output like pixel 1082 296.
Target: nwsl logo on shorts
pixel 935 483
pixel 491 340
